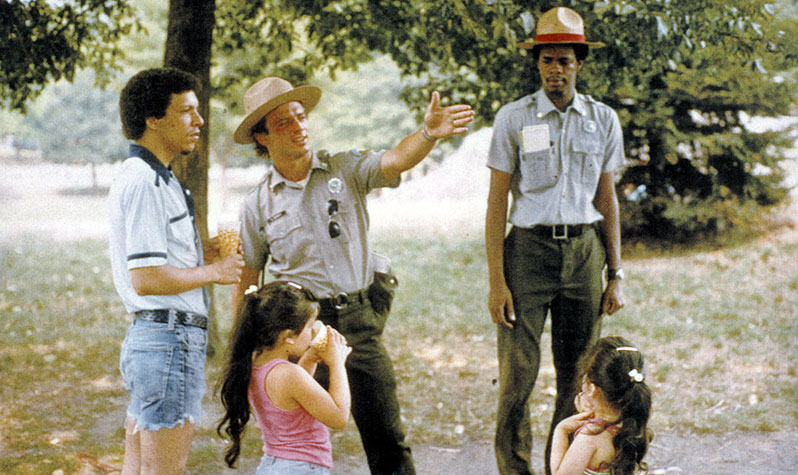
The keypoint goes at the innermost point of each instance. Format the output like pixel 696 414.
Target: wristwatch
pixel 615 274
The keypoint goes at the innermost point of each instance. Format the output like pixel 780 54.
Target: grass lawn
pixel 718 328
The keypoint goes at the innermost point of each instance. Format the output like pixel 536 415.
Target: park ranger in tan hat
pixel 265 95
pixel 307 222
pixel 557 153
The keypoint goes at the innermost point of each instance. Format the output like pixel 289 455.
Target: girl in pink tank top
pixel 293 411
pixel 609 435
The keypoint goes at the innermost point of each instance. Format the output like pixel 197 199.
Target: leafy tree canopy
pixel 679 73
pixel 42 42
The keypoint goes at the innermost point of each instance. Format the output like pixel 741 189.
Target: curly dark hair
pixel 612 371
pixel 147 94
pixel 263 315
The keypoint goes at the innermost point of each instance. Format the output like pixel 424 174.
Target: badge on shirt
pixel 535 138
pixel 590 126
pixel 335 185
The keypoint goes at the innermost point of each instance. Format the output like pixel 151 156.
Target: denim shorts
pixel 276 466
pixel 163 367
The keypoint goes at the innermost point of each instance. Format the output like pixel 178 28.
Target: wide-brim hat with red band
pixel 266 95
pixel 560 25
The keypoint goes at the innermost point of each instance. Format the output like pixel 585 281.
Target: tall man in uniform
pixel 308 220
pixel 557 152
pixel 159 271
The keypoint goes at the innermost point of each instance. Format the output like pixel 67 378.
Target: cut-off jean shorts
pixel 270 465
pixel 163 367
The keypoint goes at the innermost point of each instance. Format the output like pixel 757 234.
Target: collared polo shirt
pixel 287 224
pixel 555 182
pixel 152 224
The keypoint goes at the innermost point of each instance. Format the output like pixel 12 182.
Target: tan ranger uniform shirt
pixel 290 223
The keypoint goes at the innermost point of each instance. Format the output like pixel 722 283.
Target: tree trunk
pixel 188 47
pixel 189 37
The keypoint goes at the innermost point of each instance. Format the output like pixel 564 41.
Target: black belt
pixel 180 318
pixel 343 300
pixel 560 231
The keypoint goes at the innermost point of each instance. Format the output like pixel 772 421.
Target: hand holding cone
pixel 320 339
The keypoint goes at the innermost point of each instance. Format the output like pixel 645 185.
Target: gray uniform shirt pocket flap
pixel 586 145
pixel 590 151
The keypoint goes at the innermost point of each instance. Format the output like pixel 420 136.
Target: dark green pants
pixel 561 277
pixel 372 382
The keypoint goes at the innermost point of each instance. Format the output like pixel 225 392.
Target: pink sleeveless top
pixel 290 435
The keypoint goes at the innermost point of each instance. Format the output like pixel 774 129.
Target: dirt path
pixel 740 452
pixel 748 453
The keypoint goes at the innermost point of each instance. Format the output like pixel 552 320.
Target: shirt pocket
pixel 283 238
pixel 587 151
pixel 539 171
pixel 181 233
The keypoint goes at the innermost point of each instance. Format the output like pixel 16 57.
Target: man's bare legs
pixel 161 452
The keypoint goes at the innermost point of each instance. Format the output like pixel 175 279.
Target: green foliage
pixel 678 73
pixel 42 42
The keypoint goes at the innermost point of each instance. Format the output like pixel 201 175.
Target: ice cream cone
pixel 229 240
pixel 319 340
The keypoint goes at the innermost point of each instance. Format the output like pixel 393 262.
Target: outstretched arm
pixel 439 122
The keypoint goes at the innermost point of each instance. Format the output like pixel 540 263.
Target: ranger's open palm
pixel 442 122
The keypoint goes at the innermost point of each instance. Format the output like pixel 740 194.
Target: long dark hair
pixel 262 316
pixel 616 367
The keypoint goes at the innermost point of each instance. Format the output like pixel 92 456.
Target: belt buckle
pixel 341 300
pixel 564 234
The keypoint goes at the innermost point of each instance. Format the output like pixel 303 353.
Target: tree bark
pixel 189 37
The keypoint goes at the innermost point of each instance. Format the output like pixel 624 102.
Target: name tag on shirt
pixel 535 138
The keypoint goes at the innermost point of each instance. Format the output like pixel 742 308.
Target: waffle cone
pixel 229 242
pixel 319 340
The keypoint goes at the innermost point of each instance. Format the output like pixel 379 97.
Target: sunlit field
pixel 717 323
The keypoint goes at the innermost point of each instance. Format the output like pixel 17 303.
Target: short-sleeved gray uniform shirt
pixel 555 182
pixel 290 223
pixel 152 225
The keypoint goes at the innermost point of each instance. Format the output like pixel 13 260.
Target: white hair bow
pixel 251 289
pixel 636 376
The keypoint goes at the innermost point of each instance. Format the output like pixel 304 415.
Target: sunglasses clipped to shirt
pixel 332 226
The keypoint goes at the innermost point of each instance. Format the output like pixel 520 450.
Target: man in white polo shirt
pixel 160 273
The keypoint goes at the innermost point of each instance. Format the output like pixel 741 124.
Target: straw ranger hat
pixel 266 95
pixel 560 25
